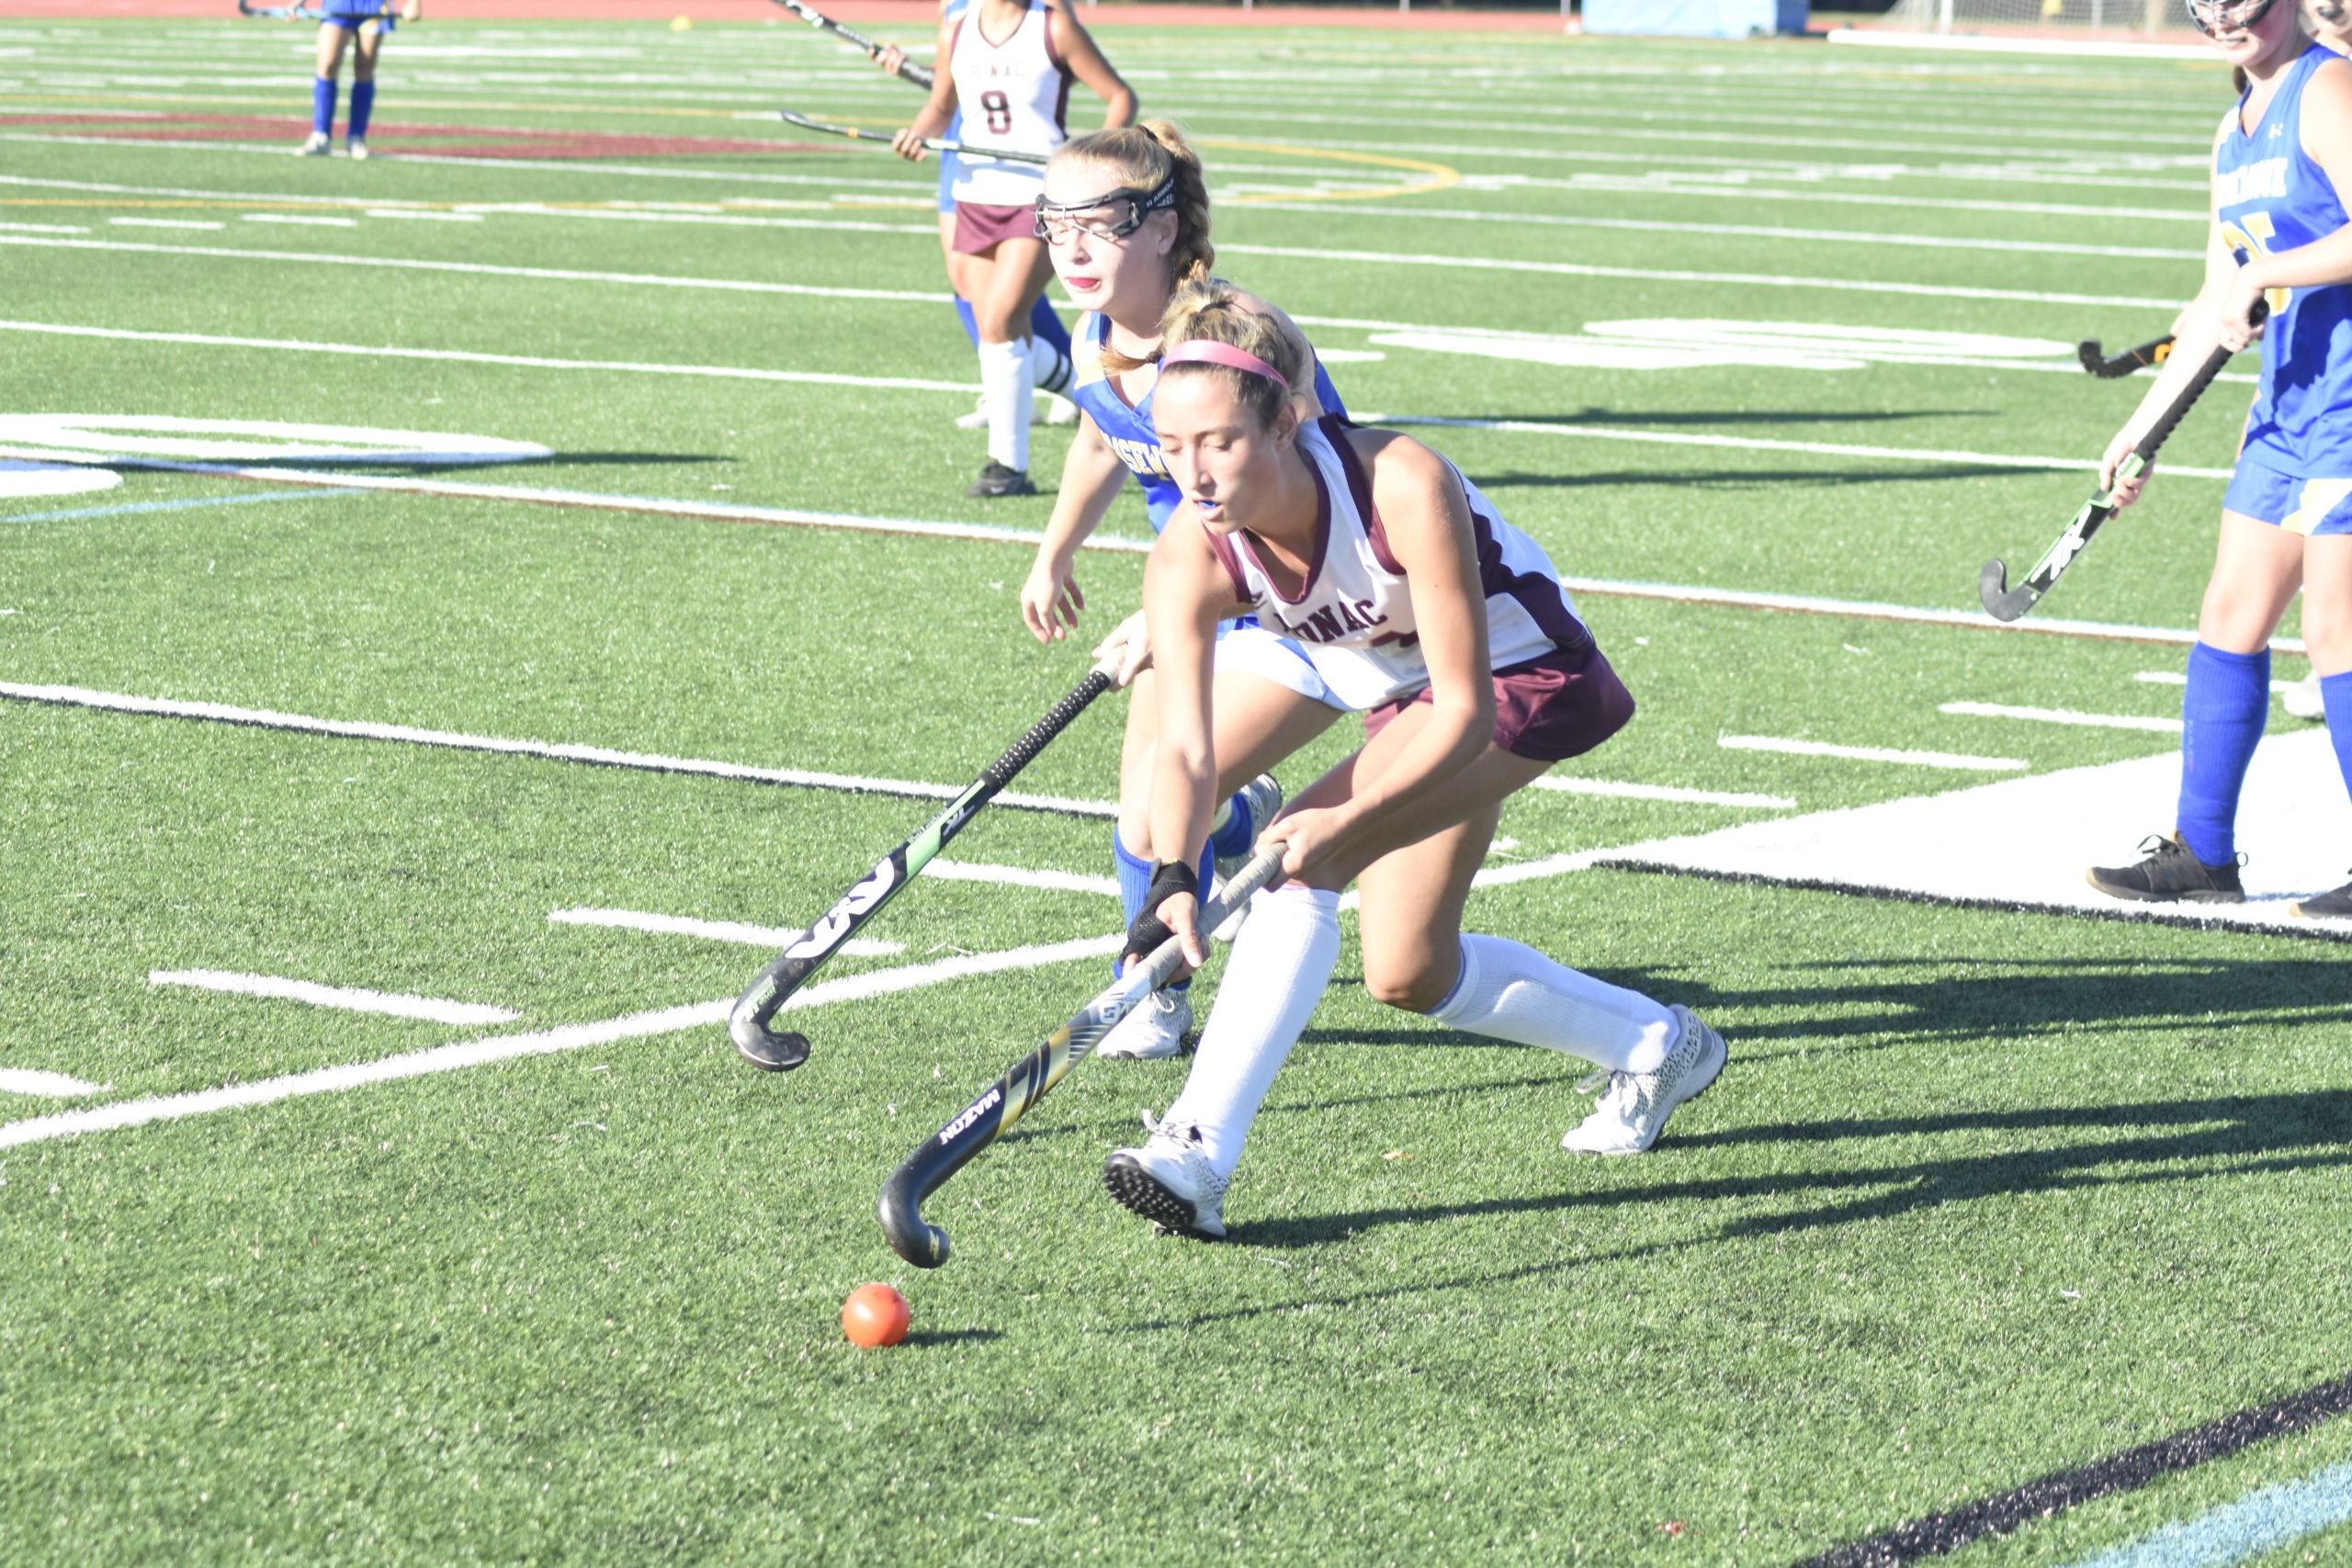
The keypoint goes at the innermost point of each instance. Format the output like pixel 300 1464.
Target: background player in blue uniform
pixel 1044 323
pixel 1126 220
pixel 365 23
pixel 2282 154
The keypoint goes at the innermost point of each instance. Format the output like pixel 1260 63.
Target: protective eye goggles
pixel 1113 215
pixel 2213 16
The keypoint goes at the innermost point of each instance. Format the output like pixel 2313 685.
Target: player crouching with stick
pixel 1448 630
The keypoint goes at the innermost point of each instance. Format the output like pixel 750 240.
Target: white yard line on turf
pixel 1871 753
pixel 769 936
pixel 2065 716
pixel 299 218
pixel 1616 788
pixel 52 1086
pixel 1014 876
pixel 2102 49
pixel 349 999
pixel 526 361
pixel 599 756
pixel 1389 258
pixel 2166 678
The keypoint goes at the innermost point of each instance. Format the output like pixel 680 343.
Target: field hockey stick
pixel 931 143
pixel 984 1121
pixel 780 1051
pixel 280 13
pixel 2149 355
pixel 2007 603
pixel 908 70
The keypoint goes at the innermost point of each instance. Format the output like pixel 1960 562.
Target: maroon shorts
pixel 1547 709
pixel 978 227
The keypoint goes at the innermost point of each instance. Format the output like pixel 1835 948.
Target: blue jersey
pixel 2269 195
pixel 1128 430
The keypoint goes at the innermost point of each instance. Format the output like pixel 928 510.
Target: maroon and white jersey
pixel 1013 95
pixel 1353 617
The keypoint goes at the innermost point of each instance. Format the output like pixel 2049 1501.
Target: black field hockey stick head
pixel 751 1024
pixel 979 1123
pixel 2147 357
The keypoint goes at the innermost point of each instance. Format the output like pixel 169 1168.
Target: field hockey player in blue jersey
pixel 2281 156
pixel 1448 630
pixel 1044 325
pixel 1125 217
pixel 361 25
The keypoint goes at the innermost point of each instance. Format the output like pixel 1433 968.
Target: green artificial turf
pixel 1982 1197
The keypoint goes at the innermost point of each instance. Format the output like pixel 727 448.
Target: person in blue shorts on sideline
pixel 345 22
pixel 2283 155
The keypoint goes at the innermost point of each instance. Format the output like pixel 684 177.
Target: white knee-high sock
pixel 1511 992
pixel 1049 367
pixel 1276 974
pixel 1006 387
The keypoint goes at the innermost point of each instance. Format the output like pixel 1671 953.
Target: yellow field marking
pixel 1441 178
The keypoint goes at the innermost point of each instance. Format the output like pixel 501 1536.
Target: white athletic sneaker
pixel 1154 1032
pixel 1634 1106
pixel 1045 408
pixel 978 419
pixel 2302 698
pixel 1169 1180
pixel 358 147
pixel 316 146
pixel 1264 797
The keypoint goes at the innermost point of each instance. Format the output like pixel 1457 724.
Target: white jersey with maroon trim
pixel 1013 95
pixel 1353 617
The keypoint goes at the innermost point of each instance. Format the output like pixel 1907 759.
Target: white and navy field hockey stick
pixel 2007 603
pixel 931 143
pixel 984 1121
pixel 778 1051
pixel 2149 355
pixel 908 70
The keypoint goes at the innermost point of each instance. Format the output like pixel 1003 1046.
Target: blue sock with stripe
pixel 2336 691
pixel 2222 715
pixel 1236 833
pixel 971 322
pixel 362 104
pixel 322 90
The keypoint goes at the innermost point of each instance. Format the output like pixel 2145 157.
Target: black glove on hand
pixel 1167 878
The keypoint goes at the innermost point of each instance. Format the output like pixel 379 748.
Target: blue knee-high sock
pixel 971 322
pixel 1238 833
pixel 322 105
pixel 362 104
pixel 2336 691
pixel 1044 325
pixel 1134 883
pixel 2223 714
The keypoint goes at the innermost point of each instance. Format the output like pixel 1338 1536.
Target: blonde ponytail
pixel 1212 310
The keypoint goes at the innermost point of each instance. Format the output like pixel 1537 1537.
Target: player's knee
pixel 1412 987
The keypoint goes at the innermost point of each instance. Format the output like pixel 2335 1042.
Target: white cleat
pixel 1052 408
pixel 1169 1180
pixel 1634 1106
pixel 358 147
pixel 2302 698
pixel 1154 1032
pixel 976 419
pixel 316 146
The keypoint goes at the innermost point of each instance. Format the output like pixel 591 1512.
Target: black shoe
pixel 2169 875
pixel 996 479
pixel 2336 906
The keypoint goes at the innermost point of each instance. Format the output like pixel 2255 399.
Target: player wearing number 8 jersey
pixel 2281 159
pixel 1008 66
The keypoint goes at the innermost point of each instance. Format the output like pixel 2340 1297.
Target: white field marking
pixel 599 756
pixel 1743 230
pixel 300 218
pixel 843 225
pixel 542 1043
pixel 2065 716
pixel 54 1086
pixel 164 223
pixel 135 440
pixel 1970 41
pixel 1617 788
pixel 419 212
pixel 44 228
pixel 1767 443
pixel 378 206
pixel 1562 269
pixel 23 481
pixel 2169 678
pixel 1348 355
pixel 1659 274
pixel 1955 760
pixel 349 999
pixel 772 937
pixel 1732 185
pixel 1014 876
pixel 526 361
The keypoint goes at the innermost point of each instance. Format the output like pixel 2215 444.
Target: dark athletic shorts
pixel 978 227
pixel 1547 709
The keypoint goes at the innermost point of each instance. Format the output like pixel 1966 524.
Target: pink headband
pixel 1206 351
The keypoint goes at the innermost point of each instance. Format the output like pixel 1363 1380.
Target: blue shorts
pixel 2288 500
pixel 352 21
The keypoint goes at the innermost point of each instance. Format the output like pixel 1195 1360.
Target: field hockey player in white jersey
pixel 1125 217
pixel 1450 630
pixel 1008 66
